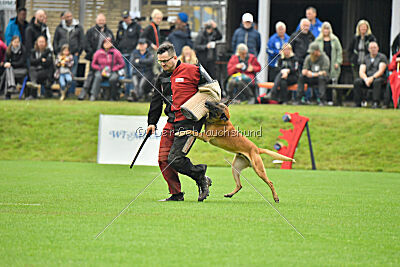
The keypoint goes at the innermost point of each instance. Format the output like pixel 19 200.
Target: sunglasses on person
pixel 164 61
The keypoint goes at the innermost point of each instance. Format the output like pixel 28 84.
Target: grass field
pixel 347 218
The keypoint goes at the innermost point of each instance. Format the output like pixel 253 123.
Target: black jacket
pixel 128 39
pixel 148 34
pixel 17 60
pixel 300 44
pixel 32 32
pixel 145 64
pixel 37 61
pixel 204 54
pixel 92 40
pixel 74 38
pixel 353 49
pixel 289 63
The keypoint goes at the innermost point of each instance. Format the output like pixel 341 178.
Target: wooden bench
pixel 269 85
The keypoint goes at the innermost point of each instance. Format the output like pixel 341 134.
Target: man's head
pixel 68 17
pixel 101 20
pixel 142 44
pixel 156 16
pixel 311 13
pixel 40 16
pixel 182 18
pixel 305 25
pixel 166 56
pixel 209 26
pixel 247 20
pixel 373 48
pixel 280 29
pixel 126 17
pixel 314 50
pixel 21 14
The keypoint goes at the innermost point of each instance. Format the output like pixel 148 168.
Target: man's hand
pixel 77 54
pixel 250 68
pixel 336 66
pixel 239 65
pixel 309 74
pixel 154 46
pixel 369 81
pixel 43 59
pixel 284 74
pixel 398 59
pixel 151 128
pixel 213 24
pixel 7 65
pixel 322 73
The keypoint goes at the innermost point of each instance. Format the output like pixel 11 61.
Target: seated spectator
pixel 40 70
pixel 330 44
pixel 275 44
pixel 107 61
pixel 315 23
pixel 64 64
pixel 301 40
pixel 188 56
pixel 205 46
pixel 358 49
pixel 246 34
pixel 142 61
pixel 180 36
pixel 393 80
pixel 287 75
pixel 371 76
pixel 15 66
pixel 315 72
pixel 242 69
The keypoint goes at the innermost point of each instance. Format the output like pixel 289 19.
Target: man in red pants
pixel 175 85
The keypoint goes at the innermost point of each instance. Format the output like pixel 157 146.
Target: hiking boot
pixel 63 94
pixel 203 183
pixel 174 197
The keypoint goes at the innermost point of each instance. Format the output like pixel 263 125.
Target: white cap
pixel 247 17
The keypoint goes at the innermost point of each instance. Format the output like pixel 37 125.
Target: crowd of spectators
pixel 311 55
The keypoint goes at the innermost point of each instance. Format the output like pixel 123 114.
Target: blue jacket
pixel 180 38
pixel 12 29
pixel 314 29
pixel 275 44
pixel 253 39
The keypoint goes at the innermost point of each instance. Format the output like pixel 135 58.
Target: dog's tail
pixel 275 155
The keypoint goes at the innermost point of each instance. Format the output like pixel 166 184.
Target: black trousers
pixel 181 147
pixel 321 81
pixel 279 90
pixel 376 86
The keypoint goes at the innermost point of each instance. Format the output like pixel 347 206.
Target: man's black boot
pixel 175 197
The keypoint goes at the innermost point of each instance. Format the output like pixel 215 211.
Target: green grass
pixel 347 218
pixel 343 138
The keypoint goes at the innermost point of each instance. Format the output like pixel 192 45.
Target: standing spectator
pixel 70 32
pixel 396 44
pixel 330 44
pixel 94 41
pixel 64 63
pixel 41 69
pixel 3 49
pixel 358 49
pixel 17 26
pixel 247 35
pixel 315 23
pixel 188 56
pixel 127 39
pixel 15 65
pixel 242 69
pixel 152 34
pixel 371 75
pixel 36 28
pixel 204 46
pixel 180 36
pixel 107 61
pixel 142 60
pixel 275 44
pixel 315 72
pixel 301 40
pixel 287 75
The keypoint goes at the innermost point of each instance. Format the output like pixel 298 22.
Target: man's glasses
pixel 164 61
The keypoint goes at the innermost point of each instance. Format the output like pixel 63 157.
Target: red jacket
pixel 184 84
pixel 234 60
pixel 102 58
pixel 393 64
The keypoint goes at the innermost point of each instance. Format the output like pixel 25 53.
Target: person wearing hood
pixel 107 61
pixel 246 34
pixel 17 26
pixel 94 41
pixel 70 32
pixel 37 27
pixel 127 39
pixel 315 23
pixel 180 36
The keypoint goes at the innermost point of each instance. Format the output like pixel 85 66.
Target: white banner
pixel 7 5
pixel 121 136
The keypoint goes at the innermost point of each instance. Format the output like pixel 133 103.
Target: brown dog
pixel 220 132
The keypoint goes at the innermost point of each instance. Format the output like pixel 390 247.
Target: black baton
pixel 140 148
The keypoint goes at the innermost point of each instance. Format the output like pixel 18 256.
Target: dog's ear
pixel 224 117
